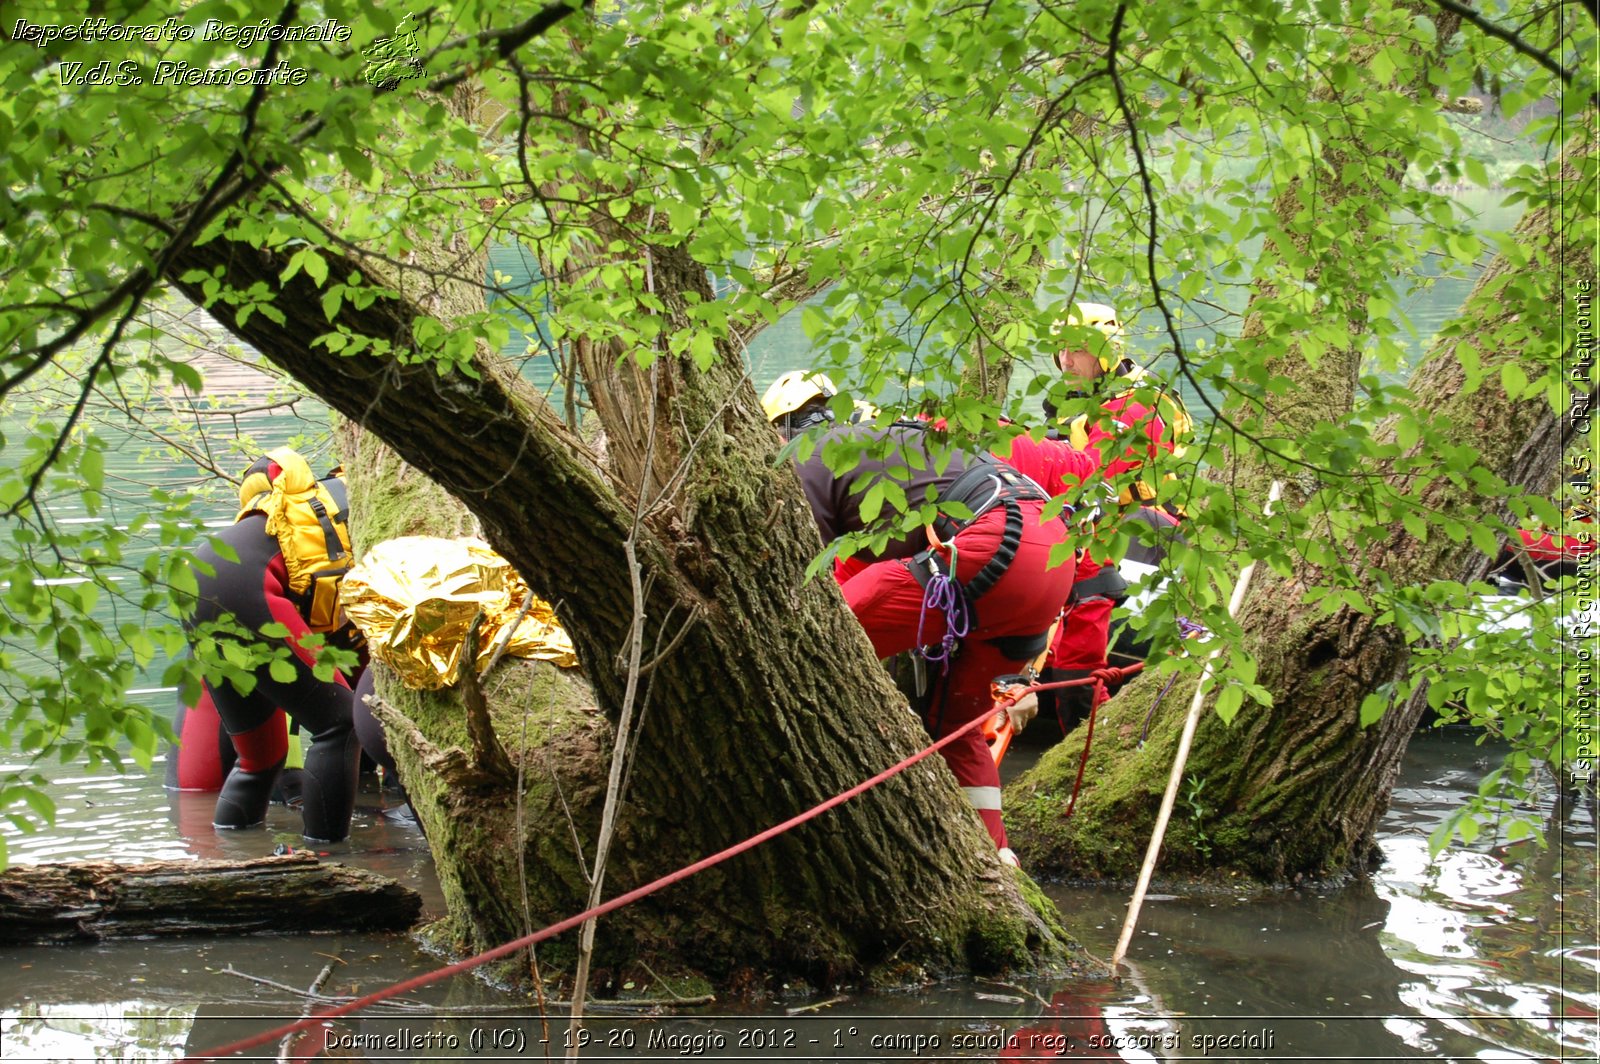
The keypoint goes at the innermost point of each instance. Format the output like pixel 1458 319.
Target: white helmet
pixel 1103 317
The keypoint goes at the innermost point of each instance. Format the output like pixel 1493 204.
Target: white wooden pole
pixel 1190 723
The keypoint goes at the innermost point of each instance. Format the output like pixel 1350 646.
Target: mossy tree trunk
pixel 1297 789
pixel 768 701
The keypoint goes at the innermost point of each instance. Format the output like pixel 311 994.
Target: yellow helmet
pixel 1103 317
pixel 1099 315
pixel 794 390
pixel 863 412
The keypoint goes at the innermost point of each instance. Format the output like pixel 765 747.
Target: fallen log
pixel 291 894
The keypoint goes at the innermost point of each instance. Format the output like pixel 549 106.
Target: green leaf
pixel 1484 539
pixel 316 267
pixel 1415 525
pixel 1514 380
pixel 1229 700
pixel 40 802
pixel 92 467
pixel 872 501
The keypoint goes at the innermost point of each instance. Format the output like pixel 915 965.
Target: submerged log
pixel 294 893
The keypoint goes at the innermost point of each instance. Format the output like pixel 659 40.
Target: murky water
pixel 1485 955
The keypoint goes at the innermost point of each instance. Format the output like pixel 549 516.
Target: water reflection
pixel 1481 955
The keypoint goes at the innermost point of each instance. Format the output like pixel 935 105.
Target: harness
pixel 984 485
pixel 1107 584
pixel 310 519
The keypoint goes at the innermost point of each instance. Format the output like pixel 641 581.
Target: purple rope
pixel 944 594
pixel 1151 715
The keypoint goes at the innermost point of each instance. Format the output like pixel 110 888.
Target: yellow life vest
pixel 313 532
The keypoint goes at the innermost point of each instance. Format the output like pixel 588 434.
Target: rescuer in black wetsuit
pixel 256 591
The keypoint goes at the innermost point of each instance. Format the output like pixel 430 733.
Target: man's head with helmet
pixel 798 400
pixel 1098 358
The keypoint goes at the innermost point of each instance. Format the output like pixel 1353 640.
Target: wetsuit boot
pixel 328 787
pixel 245 797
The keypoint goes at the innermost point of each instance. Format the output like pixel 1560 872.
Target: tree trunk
pixel 1297 789
pixel 293 894
pixel 768 702
pixel 1331 231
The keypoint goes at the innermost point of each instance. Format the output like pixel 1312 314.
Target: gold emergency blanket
pixel 415 597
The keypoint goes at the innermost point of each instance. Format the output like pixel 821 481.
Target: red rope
pixel 573 921
pixel 1100 678
pixel 1088 737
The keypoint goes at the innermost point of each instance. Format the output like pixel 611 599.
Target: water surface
pixel 1484 955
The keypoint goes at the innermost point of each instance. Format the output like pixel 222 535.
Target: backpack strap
pixel 330 534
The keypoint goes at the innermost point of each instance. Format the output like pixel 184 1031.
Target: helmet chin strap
pixel 796 423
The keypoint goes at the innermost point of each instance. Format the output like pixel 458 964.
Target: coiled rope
pixel 944 595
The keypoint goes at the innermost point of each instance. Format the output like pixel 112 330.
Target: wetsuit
pixel 888 598
pixel 375 745
pixel 203 755
pixel 255 591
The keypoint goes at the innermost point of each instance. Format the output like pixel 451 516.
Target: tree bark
pixel 1348 179
pixel 1296 790
pixel 770 701
pixel 292 894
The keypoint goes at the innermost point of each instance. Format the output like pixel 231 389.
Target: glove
pixel 1023 710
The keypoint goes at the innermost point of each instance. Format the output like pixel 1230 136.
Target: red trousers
pixel 205 753
pixel 1081 642
pixel 888 601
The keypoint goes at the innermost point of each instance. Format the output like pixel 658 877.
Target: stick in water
pixel 1190 723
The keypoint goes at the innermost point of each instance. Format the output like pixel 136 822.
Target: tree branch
pixel 1516 42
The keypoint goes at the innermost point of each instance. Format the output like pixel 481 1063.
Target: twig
pixel 505 636
pixel 651 1003
pixel 522 850
pixel 488 755
pixel 1530 571
pixel 477 1010
pixel 310 995
pixel 316 985
pixel 695 614
pixel 1021 990
pixel 608 813
pixel 813 1008
pixel 657 977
